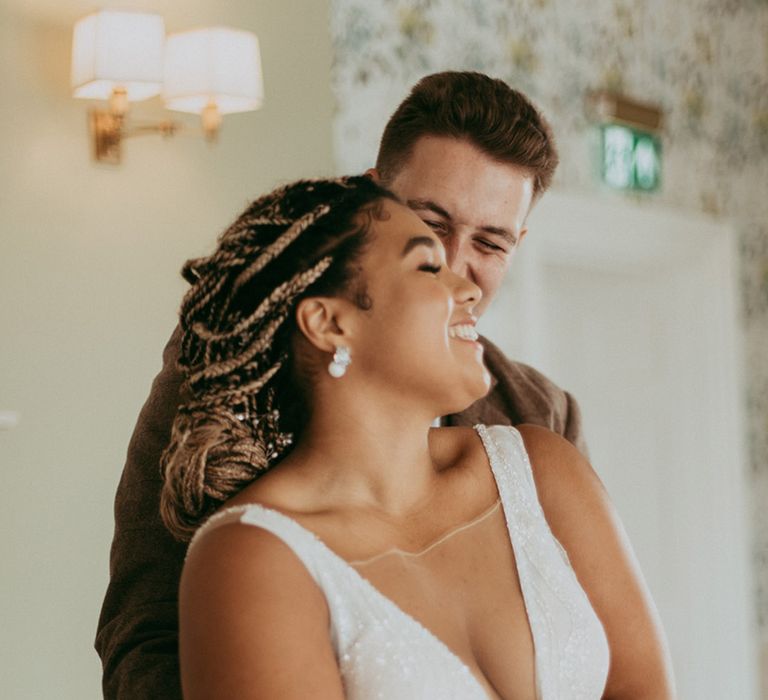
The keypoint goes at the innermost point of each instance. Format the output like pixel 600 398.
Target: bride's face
pixel 418 336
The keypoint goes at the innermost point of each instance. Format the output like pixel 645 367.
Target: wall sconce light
pixel 125 57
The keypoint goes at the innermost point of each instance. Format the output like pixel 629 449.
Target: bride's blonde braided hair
pixel 244 409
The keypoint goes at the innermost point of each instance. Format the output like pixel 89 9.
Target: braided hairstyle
pixel 244 409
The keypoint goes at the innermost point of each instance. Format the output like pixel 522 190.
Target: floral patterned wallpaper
pixel 704 61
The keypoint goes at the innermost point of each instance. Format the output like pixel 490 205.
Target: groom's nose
pixel 457 253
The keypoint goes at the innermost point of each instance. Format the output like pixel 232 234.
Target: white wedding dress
pixel 385 653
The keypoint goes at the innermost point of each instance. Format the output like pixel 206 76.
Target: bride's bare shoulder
pixel 237 581
pixel 554 460
pixel 569 490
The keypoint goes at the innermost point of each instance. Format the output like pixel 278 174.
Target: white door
pixel 633 310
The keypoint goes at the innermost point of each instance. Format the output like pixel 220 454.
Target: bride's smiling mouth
pixel 463 331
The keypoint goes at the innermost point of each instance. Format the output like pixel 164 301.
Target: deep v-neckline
pixel 358 580
pixel 383 599
pixel 392 606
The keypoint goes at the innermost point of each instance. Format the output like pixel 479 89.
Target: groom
pixel 470 156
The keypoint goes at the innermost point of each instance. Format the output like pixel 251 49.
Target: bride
pixel 341 547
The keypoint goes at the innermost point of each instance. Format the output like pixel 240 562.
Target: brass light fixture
pixel 605 106
pixel 125 57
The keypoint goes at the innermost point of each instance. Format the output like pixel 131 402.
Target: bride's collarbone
pixel 463 489
pixel 359 534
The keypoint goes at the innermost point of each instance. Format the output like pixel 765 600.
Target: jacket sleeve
pixel 572 430
pixel 137 637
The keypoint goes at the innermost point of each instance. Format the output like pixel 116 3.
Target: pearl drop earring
pixel 341 360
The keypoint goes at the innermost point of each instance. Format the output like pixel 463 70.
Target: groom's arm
pixel 137 636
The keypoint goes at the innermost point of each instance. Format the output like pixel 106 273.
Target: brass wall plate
pixel 106 136
pixel 615 108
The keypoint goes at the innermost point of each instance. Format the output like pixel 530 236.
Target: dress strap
pixel 571 647
pixel 303 543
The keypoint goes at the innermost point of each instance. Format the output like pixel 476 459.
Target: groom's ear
pixel 324 322
pixel 374 175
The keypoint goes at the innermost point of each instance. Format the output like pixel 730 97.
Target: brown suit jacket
pixel 137 636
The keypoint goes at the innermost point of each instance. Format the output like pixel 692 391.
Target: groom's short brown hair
pixel 484 111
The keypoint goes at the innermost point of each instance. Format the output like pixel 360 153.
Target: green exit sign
pixel 630 159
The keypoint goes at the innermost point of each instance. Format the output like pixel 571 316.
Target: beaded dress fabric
pixel 385 653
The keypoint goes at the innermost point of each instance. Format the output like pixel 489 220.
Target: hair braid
pixel 237 322
pixel 272 251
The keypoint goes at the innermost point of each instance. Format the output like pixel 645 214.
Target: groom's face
pixel 475 204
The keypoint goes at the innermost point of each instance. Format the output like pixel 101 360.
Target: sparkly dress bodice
pixel 385 653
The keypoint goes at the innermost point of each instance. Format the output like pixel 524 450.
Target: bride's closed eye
pixel 434 269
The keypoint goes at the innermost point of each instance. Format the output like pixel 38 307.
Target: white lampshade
pixel 213 65
pixel 112 49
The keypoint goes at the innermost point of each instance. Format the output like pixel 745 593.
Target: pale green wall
pixel 89 286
